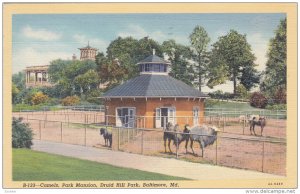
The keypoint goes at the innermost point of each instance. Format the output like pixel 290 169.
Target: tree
pixel 15 91
pixel 122 52
pixel 71 77
pixel 122 56
pixel 86 81
pixel 110 71
pixel 19 80
pixel 199 40
pixel 275 73
pixel 179 57
pixel 232 59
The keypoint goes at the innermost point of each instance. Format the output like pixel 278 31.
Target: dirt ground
pixel 229 150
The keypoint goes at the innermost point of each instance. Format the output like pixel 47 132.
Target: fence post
pixel 127 135
pixel 45 121
pixel 142 143
pixel 118 138
pixel 216 150
pixel 40 130
pixel 85 134
pixel 176 144
pixel 244 125
pixel 263 157
pixel 224 122
pixel 61 132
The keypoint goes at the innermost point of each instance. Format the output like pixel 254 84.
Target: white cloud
pixel 259 46
pixel 94 42
pixel 134 31
pixel 138 32
pixel 30 56
pixel 40 34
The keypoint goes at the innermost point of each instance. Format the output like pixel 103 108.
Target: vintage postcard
pixel 150 95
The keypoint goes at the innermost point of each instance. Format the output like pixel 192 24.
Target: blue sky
pixel 38 39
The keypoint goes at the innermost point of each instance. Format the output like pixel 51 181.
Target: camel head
pixel 187 128
pixel 216 129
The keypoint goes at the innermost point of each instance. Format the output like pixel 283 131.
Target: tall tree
pixel 275 73
pixel 126 52
pixel 110 71
pixel 121 51
pixel 232 59
pixel 179 56
pixel 199 40
pixel 19 80
pixel 68 74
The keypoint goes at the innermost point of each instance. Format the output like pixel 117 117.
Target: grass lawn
pixel 31 165
pixel 212 103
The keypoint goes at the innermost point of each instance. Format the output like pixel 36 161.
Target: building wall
pixel 184 109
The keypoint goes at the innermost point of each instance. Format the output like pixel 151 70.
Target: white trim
pixel 118 118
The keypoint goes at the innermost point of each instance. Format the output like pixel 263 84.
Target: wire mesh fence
pixel 63 116
pixel 246 152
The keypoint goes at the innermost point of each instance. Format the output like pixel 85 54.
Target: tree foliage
pixel 15 91
pixel 179 57
pixel 232 59
pixel 73 76
pixel 18 80
pixel 275 73
pixel 122 56
pixel 199 40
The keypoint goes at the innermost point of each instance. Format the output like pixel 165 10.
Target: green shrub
pixel 39 98
pixel 70 101
pixel 276 107
pixel 21 134
pixel 220 95
pixel 258 100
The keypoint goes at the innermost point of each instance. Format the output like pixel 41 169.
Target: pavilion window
pixel 147 67
pixel 156 68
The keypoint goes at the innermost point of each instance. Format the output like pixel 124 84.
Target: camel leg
pixel 192 146
pixel 186 144
pixel 254 129
pixel 202 150
pixel 165 145
pixel 169 142
pixel 262 129
pixel 251 128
